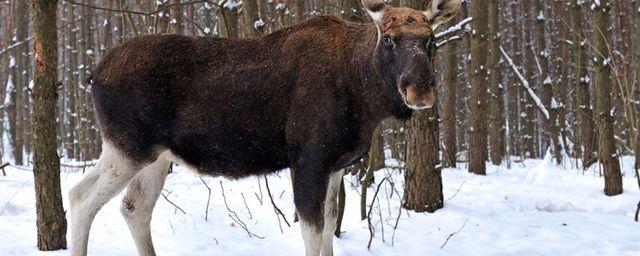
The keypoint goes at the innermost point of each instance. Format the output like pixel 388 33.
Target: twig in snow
pixel 638 207
pixel 452 234
pixel 525 83
pixel 454 194
pixel 246 206
pixel 275 207
pixel 375 195
pixel 206 212
pixel 174 205
pixel 234 216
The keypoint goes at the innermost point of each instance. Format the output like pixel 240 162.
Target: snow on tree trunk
pixel 607 152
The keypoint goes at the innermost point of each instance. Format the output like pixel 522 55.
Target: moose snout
pixel 420 98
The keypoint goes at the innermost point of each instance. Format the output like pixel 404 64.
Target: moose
pixel 306 97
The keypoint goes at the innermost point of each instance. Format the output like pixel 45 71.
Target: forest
pixel 532 147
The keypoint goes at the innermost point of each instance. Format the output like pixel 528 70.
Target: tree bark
pixel 449 151
pixel 528 113
pixel 51 222
pixel 478 100
pixel 550 124
pixel 250 13
pixel 496 104
pixel 607 153
pixel 636 15
pixel 422 177
pixel 588 137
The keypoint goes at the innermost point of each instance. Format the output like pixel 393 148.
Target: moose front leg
pixel 311 192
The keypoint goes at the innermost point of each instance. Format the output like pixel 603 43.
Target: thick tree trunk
pixel 607 153
pixel 51 222
pixel 478 100
pixel 422 177
pixel 588 136
pixel 496 102
pixel 176 15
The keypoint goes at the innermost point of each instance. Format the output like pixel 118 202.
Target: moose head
pixel 406 46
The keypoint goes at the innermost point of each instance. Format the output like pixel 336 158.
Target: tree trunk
pixel 583 96
pixel 607 153
pixel 21 78
pixel 528 113
pixel 551 133
pixel 478 100
pixel 229 20
pixel 250 13
pixel 422 177
pixel 496 104
pixel 636 15
pixel 449 151
pixel 51 222
pixel 176 18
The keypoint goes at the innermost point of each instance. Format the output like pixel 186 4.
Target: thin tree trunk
pixel 607 153
pixel 496 104
pixel 478 100
pixel 250 13
pixel 551 133
pixel 176 18
pixel 21 80
pixel 51 222
pixel 449 151
pixel 584 113
pixel 527 106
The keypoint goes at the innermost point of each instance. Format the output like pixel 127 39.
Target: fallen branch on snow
pixel 452 234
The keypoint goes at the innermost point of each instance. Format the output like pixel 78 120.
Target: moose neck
pixel 381 97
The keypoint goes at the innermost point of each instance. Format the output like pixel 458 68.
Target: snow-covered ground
pixel 534 208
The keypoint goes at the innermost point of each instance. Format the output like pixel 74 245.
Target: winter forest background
pixel 541 96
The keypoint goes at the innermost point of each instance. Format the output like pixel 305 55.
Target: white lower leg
pixel 112 173
pixel 138 203
pixel 330 213
pixel 312 237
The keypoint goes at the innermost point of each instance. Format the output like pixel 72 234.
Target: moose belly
pixel 232 156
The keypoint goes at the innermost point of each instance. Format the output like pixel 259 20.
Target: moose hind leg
pixel 137 205
pixel 110 175
pixel 330 213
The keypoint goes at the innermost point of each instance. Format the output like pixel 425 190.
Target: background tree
pixel 607 152
pixel 51 222
pixel 478 100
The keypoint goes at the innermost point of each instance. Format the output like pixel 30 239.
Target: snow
pixel 232 5
pixel 535 208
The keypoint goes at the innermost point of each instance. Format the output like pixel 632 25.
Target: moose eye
pixel 387 39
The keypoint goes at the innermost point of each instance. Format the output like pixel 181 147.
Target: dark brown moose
pixel 306 97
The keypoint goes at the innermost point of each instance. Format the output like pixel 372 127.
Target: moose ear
pixel 375 8
pixel 441 11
